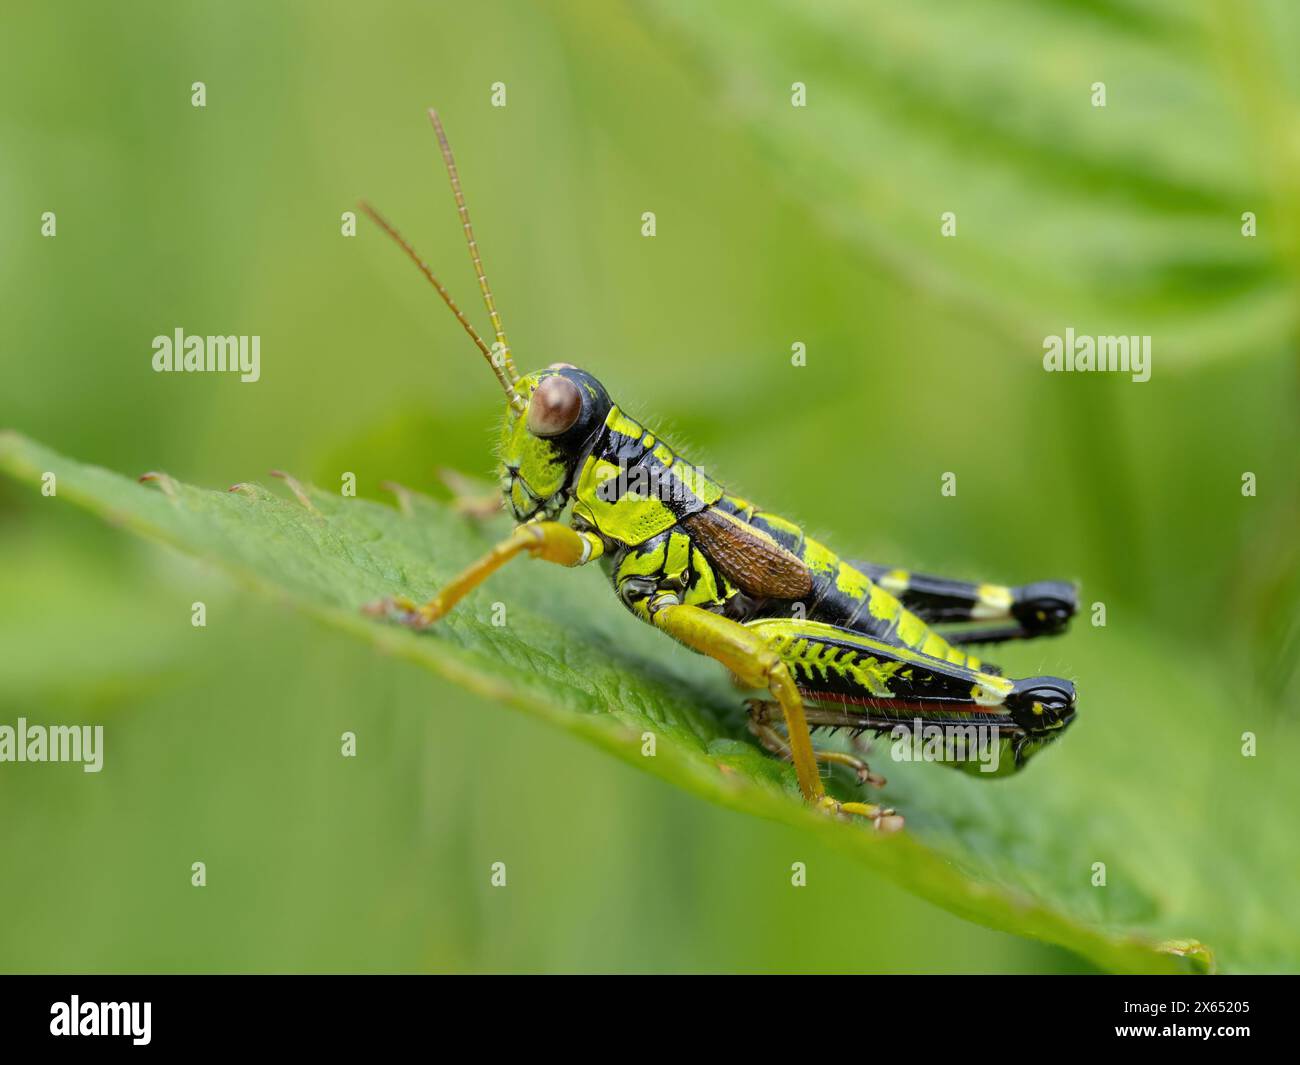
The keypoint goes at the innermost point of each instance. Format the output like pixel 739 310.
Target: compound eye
pixel 555 406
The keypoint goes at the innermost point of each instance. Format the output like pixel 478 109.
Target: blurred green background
pixel 924 356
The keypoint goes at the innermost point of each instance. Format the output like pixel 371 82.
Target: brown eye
pixel 555 406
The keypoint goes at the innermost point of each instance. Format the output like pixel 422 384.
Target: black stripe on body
pixel 642 448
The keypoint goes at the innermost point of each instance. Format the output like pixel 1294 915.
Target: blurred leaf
pixel 1119 219
pixel 1012 855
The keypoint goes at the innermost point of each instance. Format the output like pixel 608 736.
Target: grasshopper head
pixel 541 445
pixel 552 415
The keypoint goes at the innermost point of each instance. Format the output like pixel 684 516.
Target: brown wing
pixel 750 559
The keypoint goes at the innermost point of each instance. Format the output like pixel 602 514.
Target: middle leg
pixel 763 724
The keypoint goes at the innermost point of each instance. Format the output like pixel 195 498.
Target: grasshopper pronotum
pixel 835 643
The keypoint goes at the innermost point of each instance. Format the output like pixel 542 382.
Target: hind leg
pixel 754 664
pixel 1043 608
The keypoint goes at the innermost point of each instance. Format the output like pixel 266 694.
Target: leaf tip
pixel 1194 951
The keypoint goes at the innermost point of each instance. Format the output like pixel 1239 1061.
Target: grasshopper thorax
pixel 542 444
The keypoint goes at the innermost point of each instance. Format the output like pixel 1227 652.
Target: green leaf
pixel 1119 219
pixel 1013 854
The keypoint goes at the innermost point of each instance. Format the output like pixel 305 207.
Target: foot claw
pixel 882 818
pixel 866 776
pixel 402 610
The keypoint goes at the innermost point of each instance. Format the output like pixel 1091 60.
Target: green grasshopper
pixel 835 643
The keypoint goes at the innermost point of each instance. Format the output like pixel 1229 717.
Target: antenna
pixel 507 382
pixel 477 260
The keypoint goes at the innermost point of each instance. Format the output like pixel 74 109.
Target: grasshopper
pixel 835 643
